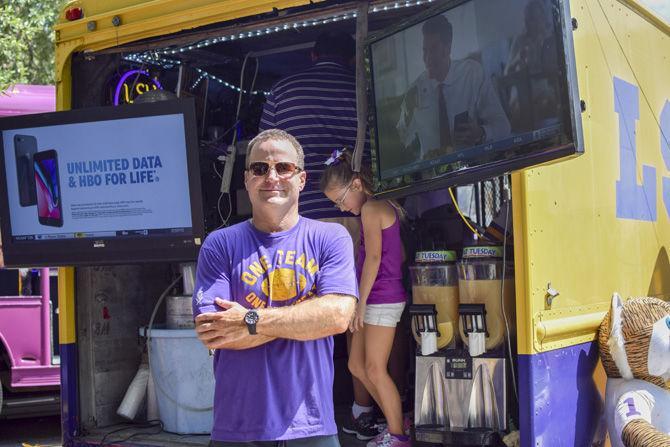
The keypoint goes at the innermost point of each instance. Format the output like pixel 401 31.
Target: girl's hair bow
pixel 335 157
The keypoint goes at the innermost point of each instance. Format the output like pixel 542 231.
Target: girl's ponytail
pixel 338 171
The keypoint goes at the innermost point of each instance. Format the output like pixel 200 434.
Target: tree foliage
pixel 27 41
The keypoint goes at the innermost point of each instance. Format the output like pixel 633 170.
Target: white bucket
pixel 179 312
pixel 182 370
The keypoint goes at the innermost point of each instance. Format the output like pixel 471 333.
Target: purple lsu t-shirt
pixel 284 388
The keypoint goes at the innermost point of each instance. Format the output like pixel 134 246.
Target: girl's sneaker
pixel 383 428
pixel 389 440
pixel 363 426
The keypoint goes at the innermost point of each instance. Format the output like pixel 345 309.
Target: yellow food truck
pixel 570 101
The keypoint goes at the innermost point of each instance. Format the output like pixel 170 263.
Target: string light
pixel 154 57
pixel 148 58
pixel 204 74
pixel 294 25
pixel 168 63
pixel 199 80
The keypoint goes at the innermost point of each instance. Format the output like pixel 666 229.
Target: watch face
pixel 251 317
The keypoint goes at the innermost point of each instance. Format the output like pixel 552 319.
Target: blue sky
pixel 661 7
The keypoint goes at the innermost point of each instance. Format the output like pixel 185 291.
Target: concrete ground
pixel 45 432
pixel 30 432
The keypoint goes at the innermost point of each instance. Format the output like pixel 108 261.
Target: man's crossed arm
pixel 309 320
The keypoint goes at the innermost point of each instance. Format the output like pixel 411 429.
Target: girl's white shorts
pixel 383 314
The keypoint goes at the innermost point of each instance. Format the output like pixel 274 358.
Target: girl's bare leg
pixel 378 344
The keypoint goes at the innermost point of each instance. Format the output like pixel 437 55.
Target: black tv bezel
pixel 115 250
pixel 493 168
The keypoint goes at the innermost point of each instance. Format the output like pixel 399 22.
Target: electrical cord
pixel 137 77
pixel 253 81
pixel 218 209
pixel 148 345
pixel 216 170
pixel 460 213
pixel 148 424
pixel 212 143
pixel 224 222
pixel 241 92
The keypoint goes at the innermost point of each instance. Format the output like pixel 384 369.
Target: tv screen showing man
pixel 478 82
pixel 452 104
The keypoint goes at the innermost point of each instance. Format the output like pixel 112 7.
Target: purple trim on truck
pixel 68 392
pixel 560 404
pixel 21 99
pixel 45 288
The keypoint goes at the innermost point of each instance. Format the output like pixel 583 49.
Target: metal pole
pixel 361 91
pixel 46 317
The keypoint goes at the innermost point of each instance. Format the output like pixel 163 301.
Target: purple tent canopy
pixel 21 99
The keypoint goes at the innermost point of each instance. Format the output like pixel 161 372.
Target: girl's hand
pixel 357 321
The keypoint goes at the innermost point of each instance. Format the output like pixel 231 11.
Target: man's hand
pixel 468 133
pixel 225 329
pixel 235 312
pixel 357 320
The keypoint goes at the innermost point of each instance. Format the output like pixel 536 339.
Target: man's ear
pixel 303 179
pixel 356 184
pixel 246 179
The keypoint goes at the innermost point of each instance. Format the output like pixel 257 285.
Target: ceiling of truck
pixel 280 44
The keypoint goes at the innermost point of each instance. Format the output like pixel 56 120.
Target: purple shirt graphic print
pixel 283 389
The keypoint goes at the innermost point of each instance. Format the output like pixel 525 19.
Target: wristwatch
pixel 251 318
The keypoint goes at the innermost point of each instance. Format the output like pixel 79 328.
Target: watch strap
pixel 253 316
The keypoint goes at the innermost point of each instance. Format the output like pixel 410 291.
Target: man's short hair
pixel 276 135
pixel 335 44
pixel 441 27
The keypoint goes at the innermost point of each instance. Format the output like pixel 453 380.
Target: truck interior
pixel 212 64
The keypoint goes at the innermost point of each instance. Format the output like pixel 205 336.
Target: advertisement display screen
pixel 471 90
pixel 101 186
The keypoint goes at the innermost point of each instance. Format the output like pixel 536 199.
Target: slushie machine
pixel 462 314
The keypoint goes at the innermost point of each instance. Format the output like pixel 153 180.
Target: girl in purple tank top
pixel 382 295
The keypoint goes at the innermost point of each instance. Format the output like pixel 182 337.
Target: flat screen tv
pixel 472 89
pixel 104 185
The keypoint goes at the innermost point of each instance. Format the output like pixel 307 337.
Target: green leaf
pixel 27 43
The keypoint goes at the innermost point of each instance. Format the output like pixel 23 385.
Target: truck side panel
pixel 593 225
pixel 68 353
pixel 562 405
pixel 600 223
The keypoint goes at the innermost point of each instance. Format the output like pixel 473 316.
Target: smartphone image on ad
pixel 25 147
pixel 47 185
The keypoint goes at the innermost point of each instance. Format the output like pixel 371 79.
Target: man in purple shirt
pixel 318 107
pixel 269 294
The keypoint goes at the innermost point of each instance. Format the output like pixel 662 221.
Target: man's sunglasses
pixel 283 168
